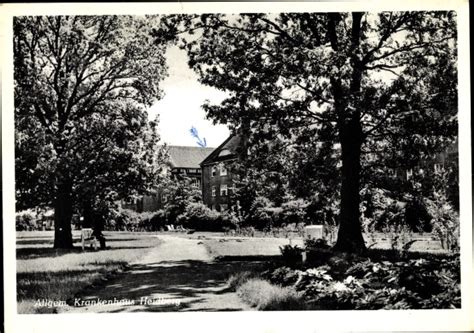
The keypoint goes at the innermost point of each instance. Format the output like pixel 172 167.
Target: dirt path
pixel 178 275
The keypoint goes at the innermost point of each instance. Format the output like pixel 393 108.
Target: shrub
pixel 229 220
pixel 367 284
pixel 265 296
pixel 291 255
pixel 323 209
pixel 130 220
pixel 260 214
pixel 26 220
pixel 417 216
pixel 293 212
pixel 445 221
pixel 238 279
pixel 381 211
pixel 200 217
pixel 284 276
pixel 158 220
pixel 316 244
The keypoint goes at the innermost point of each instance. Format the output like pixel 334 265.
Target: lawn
pixel 227 247
pixel 47 274
pixel 222 246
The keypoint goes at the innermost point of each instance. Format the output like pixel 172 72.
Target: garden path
pixel 177 275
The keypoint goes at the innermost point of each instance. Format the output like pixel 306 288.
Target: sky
pixel 180 108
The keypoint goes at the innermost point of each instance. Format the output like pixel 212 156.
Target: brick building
pixel 217 178
pixel 183 162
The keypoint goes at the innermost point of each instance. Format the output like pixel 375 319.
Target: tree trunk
pixel 87 214
pixel 63 216
pixel 349 238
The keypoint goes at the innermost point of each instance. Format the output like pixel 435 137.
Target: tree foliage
pixel 380 87
pixel 82 85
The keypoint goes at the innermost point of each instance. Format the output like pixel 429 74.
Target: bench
pixel 88 239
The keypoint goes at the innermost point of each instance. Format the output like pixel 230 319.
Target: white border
pixel 239 321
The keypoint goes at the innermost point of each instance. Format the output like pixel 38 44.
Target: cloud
pixel 180 108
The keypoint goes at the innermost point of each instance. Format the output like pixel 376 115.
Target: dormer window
pixel 225 152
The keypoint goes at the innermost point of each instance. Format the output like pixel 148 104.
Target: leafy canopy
pixel 82 84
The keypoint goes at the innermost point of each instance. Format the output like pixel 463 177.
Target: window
pixel 195 182
pixel 223 170
pixel 438 168
pixel 213 191
pixel 409 174
pixel 213 171
pixel 225 152
pixel 223 190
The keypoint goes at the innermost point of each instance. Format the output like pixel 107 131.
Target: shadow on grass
pixel 49 240
pixel 54 285
pixel 50 252
pixel 188 282
pixel 27 236
pixel 36 241
pixel 395 255
pixel 118 239
pixel 248 258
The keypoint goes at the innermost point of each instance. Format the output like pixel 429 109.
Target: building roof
pixel 187 157
pixel 227 150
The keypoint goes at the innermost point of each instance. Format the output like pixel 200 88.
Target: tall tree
pixel 354 79
pixel 82 84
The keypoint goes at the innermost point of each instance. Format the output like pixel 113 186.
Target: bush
pixel 293 212
pixel 283 276
pixel 316 244
pixel 26 220
pixel 229 220
pixel 260 214
pixel 291 255
pixel 367 284
pixel 158 220
pixel 199 217
pixel 130 220
pixel 238 279
pixel 265 296
pixel 323 209
pixel 417 217
pixel 445 221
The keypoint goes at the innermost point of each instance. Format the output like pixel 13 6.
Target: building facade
pixel 218 179
pixel 217 176
pixel 183 162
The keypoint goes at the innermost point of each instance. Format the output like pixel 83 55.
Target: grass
pixel 265 296
pixel 246 247
pixel 238 279
pixel 44 273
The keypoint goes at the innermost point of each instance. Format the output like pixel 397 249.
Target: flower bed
pixel 350 282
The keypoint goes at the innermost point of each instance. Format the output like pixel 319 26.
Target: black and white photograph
pixel 294 160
